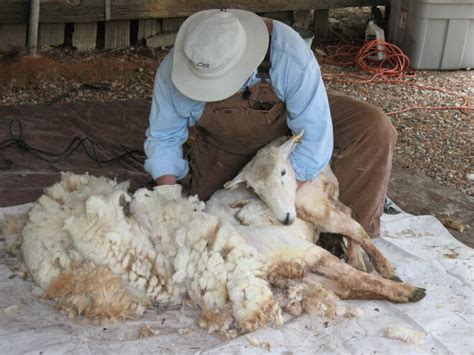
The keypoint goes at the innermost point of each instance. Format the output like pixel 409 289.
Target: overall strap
pixel 263 70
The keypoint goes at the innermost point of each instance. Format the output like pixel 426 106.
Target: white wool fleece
pixel 160 244
pixel 209 255
pixel 47 248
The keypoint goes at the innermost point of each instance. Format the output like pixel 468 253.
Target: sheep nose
pixel 287 220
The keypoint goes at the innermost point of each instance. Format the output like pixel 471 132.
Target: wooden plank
pixel 85 36
pixel 61 11
pixel 117 34
pixel 321 24
pixel 12 36
pixel 16 11
pixel 51 34
pixel 148 28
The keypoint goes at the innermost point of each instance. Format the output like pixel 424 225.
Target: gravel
pixel 437 143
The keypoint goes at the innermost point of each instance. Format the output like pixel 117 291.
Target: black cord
pixel 88 145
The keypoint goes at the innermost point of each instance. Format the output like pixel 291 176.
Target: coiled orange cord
pixel 393 69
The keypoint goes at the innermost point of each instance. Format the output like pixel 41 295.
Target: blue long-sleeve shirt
pixel 296 79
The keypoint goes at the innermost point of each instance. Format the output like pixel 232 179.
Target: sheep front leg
pixel 359 283
pixel 335 221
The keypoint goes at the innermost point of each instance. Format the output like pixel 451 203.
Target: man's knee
pixel 381 129
pixel 362 125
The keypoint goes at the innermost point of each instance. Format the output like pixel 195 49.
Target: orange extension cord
pixel 394 69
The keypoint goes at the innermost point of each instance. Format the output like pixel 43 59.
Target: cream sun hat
pixel 216 51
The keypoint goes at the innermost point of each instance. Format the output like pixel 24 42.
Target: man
pixel 242 81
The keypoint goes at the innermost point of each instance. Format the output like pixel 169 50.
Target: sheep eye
pixel 283 172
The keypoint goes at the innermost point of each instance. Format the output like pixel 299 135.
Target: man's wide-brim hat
pixel 216 51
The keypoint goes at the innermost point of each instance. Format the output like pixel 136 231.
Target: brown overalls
pixel 230 132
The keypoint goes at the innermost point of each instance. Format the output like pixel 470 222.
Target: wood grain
pixel 62 11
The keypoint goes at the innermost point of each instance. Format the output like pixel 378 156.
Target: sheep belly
pixel 276 242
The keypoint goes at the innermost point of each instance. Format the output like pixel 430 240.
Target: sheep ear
pixel 291 143
pixel 234 182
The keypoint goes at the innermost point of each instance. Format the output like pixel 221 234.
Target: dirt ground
pixel 435 142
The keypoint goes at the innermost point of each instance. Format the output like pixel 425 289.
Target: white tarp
pixel 423 251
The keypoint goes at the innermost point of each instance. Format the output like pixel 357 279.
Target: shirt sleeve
pixel 168 128
pixel 301 87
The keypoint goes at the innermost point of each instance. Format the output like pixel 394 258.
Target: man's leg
pixel 364 140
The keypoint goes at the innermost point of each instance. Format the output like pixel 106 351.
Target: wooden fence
pixel 89 24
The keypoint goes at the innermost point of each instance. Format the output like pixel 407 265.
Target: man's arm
pixel 308 110
pixel 169 117
pixel 297 78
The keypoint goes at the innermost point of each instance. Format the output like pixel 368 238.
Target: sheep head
pixel 270 175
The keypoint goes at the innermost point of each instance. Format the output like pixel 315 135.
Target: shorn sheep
pixel 101 252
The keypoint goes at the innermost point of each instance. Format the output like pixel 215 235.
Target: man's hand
pixel 299 184
pixel 166 180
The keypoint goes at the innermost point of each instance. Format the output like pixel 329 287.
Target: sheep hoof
pixel 418 294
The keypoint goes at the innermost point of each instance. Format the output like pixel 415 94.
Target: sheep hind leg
pixel 354 256
pixel 354 251
pixel 293 269
pixel 359 283
pixel 337 221
pixel 338 289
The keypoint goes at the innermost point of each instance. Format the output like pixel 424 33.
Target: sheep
pixel 102 252
pixel 105 254
pixel 271 179
pixel 264 194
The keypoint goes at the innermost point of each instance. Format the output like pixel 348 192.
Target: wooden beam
pixel 15 11
pixel 62 11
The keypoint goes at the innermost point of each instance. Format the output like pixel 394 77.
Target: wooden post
pixel 321 24
pixel 33 26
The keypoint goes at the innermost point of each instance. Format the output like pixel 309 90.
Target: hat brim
pixel 209 90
